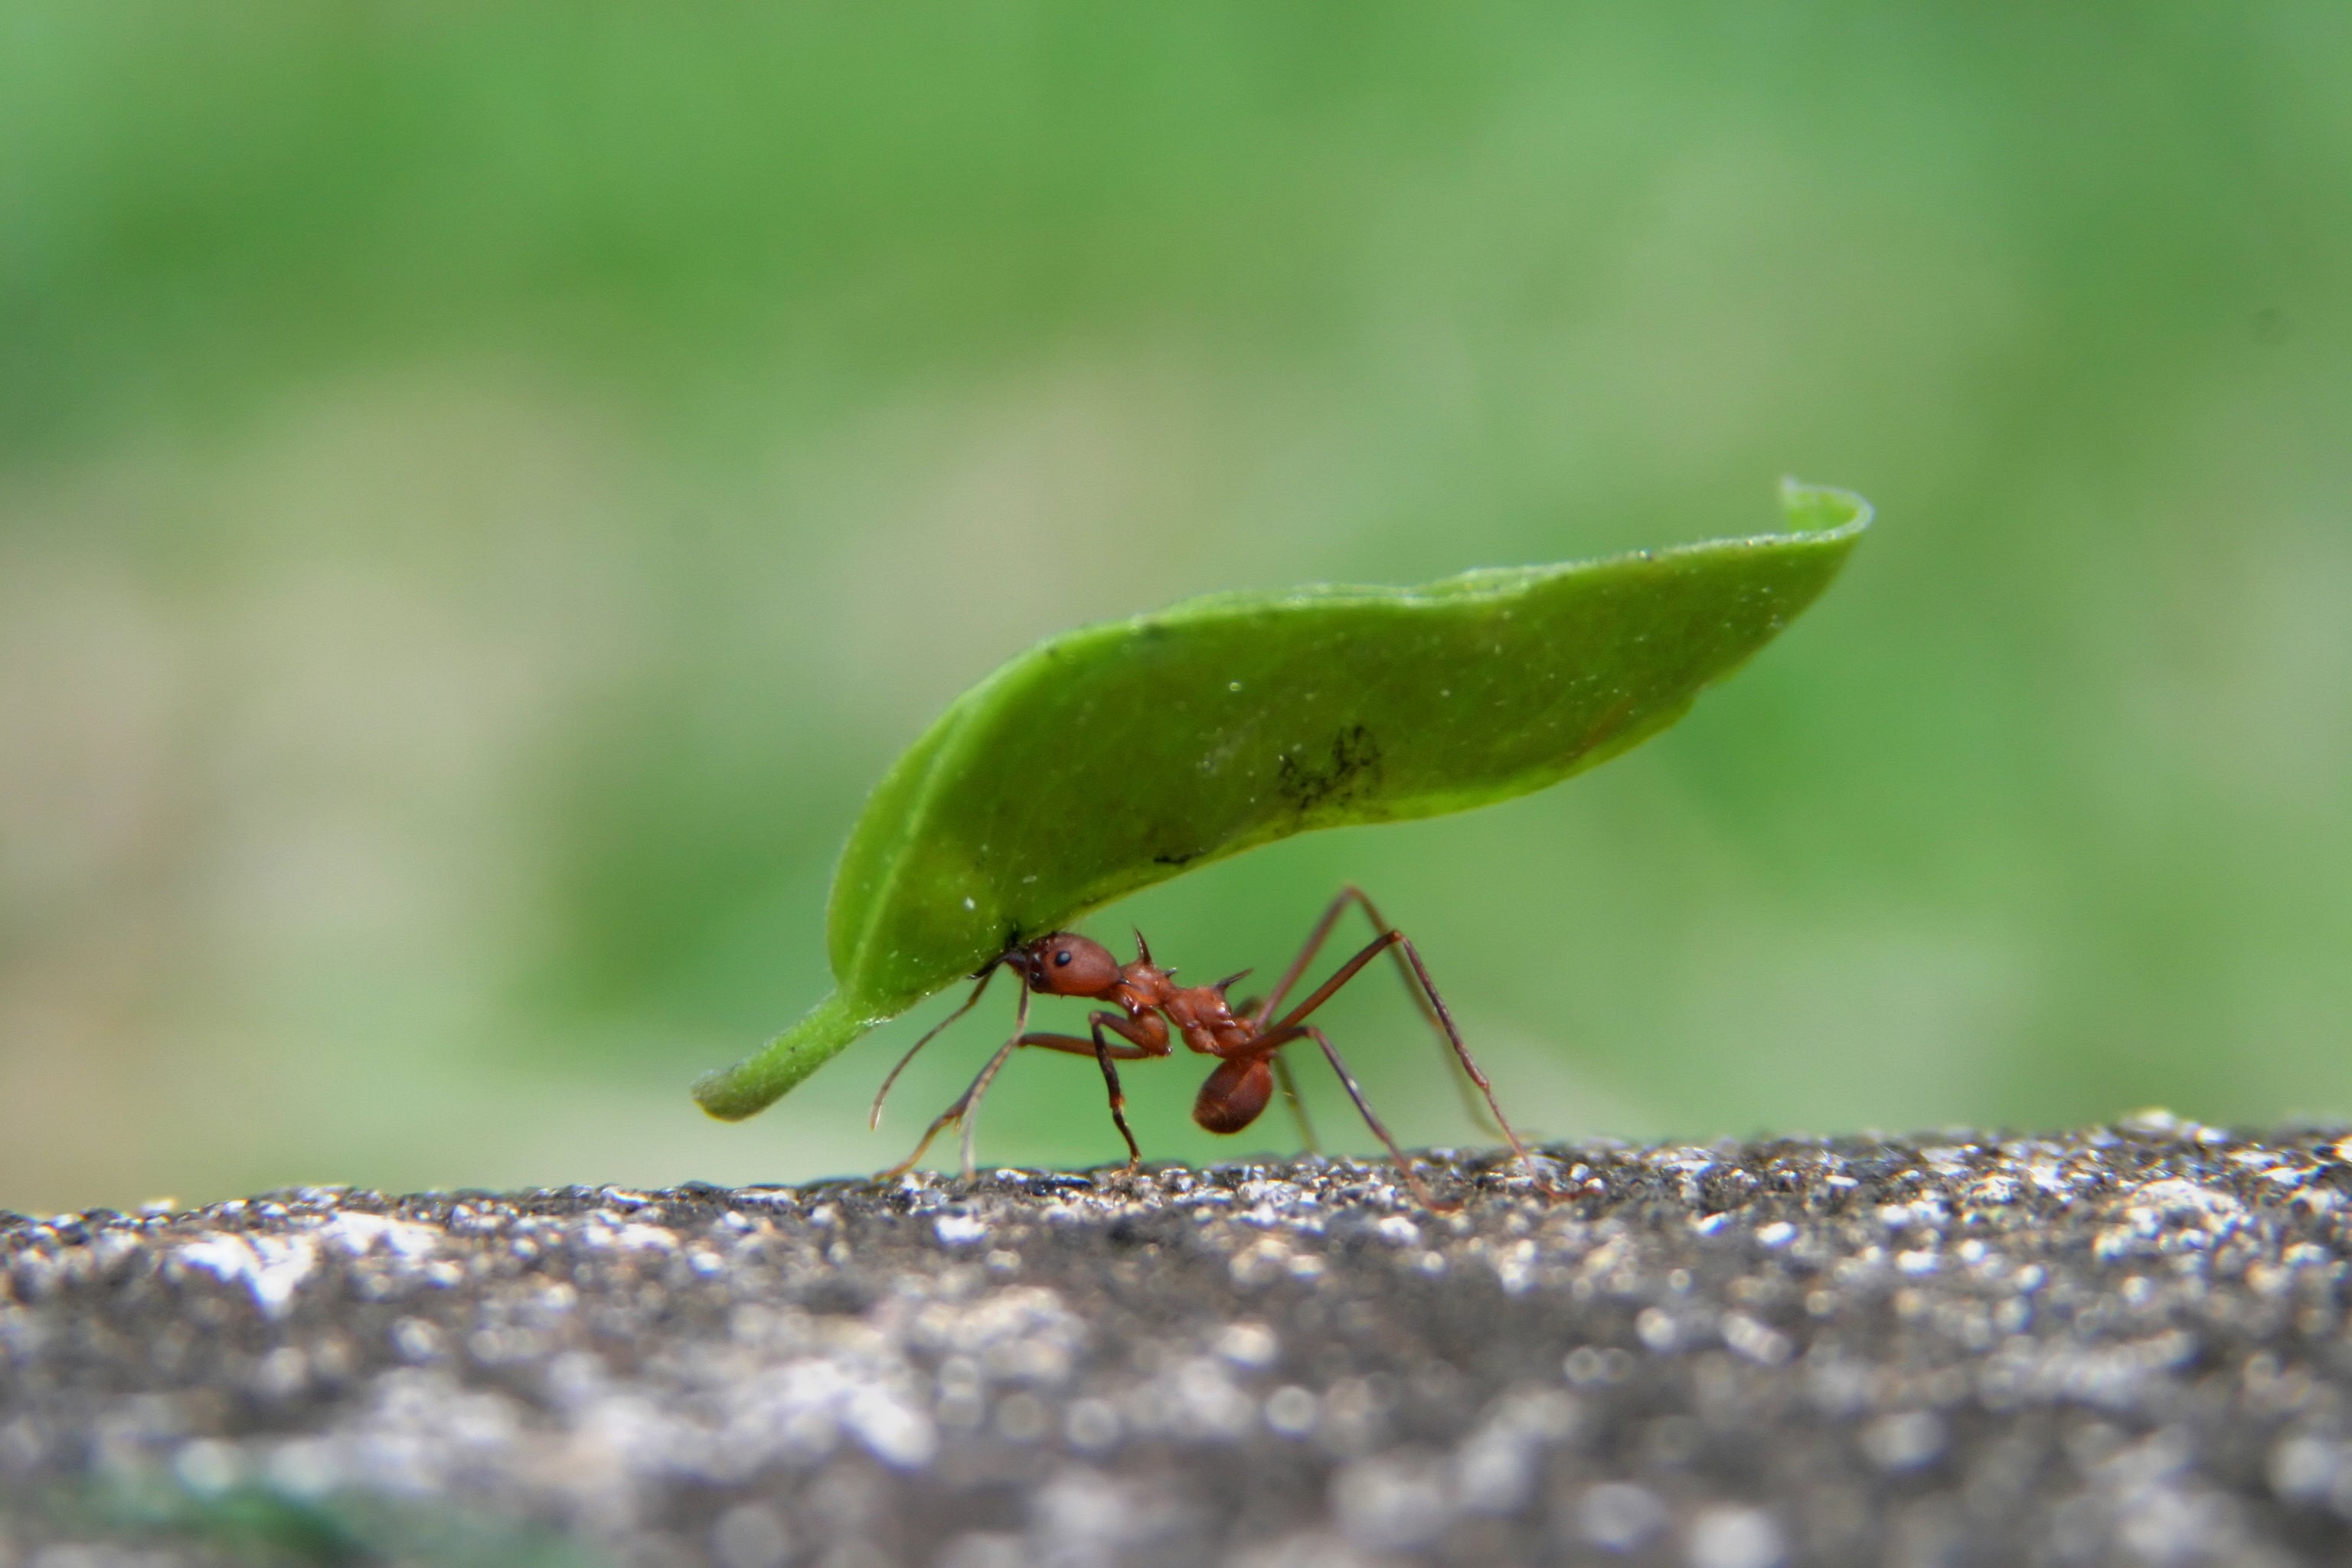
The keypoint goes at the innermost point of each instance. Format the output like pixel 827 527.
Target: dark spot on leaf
pixel 1354 762
pixel 1185 859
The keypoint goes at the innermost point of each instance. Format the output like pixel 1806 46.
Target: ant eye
pixel 1062 959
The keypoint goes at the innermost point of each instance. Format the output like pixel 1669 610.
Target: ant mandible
pixel 1246 1039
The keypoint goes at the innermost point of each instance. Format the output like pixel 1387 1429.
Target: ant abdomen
pixel 1235 1094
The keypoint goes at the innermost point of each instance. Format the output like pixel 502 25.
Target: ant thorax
pixel 1142 987
pixel 1205 1019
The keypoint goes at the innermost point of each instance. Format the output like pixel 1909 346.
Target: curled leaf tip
pixel 1820 508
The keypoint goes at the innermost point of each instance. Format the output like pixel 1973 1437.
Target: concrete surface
pixel 2125 1345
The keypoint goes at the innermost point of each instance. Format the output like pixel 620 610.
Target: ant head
pixel 1063 963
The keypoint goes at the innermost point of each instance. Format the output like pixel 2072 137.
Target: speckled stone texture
pixel 2121 1346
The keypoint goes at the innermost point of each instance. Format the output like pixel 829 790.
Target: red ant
pixel 1244 1040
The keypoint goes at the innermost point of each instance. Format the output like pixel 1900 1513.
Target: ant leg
pixel 1261 1011
pixel 1355 1092
pixel 1354 966
pixel 1080 1045
pixel 967 1104
pixel 1469 1065
pixel 874 1120
pixel 1282 1076
pixel 1104 1052
pixel 1315 941
pixel 1351 894
pixel 1339 976
pixel 1145 1037
pixel 1118 1099
pixel 979 1088
pixel 980 1085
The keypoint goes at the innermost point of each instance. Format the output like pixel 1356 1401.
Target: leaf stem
pixel 767 1074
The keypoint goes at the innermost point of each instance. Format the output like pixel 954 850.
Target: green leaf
pixel 1116 756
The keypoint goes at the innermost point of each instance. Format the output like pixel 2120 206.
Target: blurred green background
pixel 483 491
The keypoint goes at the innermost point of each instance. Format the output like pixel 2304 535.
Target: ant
pixel 1246 1039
